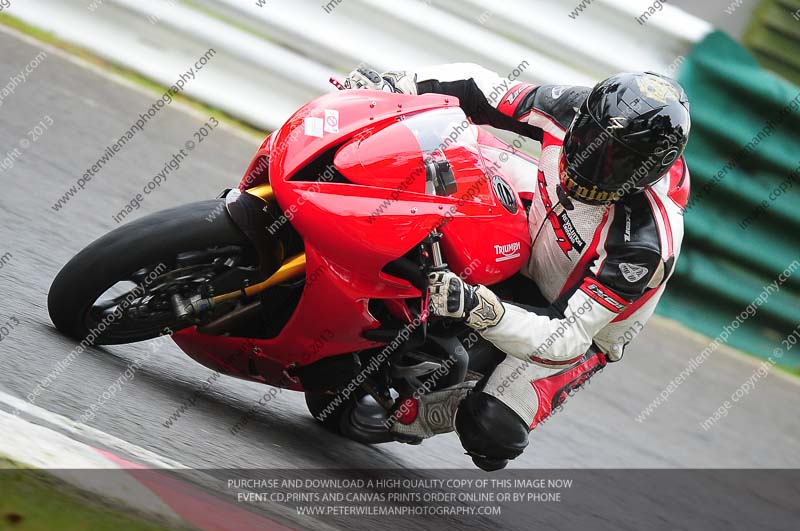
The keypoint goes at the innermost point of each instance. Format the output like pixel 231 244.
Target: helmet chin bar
pixel 593 195
pixel 584 194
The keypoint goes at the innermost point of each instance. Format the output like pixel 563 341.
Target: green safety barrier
pixel 774 37
pixel 743 220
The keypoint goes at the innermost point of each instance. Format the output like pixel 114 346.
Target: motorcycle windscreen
pixel 434 152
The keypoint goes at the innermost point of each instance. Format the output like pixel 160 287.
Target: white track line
pixel 32 446
pixel 147 457
pixel 87 432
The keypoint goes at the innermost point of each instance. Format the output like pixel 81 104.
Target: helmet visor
pixel 598 165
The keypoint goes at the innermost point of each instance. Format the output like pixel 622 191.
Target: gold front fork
pixel 292 268
pixel 264 192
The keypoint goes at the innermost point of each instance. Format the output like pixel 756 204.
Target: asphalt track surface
pixel 597 429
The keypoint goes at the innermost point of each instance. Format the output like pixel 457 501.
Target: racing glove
pixel 451 297
pixel 367 78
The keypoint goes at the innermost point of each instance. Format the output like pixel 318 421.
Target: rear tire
pixel 317 404
pixel 136 246
pixel 358 418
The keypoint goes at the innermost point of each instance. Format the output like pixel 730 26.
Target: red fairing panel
pixel 295 143
pixel 353 229
pixel 364 160
pixel 489 249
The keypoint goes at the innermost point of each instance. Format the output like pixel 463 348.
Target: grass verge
pixel 33 500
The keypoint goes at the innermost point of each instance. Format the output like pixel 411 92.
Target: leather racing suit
pixel 601 269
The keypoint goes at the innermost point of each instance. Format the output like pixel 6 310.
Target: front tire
pixel 132 253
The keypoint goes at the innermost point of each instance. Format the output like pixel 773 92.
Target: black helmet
pixel 626 136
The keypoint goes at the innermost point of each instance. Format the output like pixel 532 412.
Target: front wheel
pixel 120 288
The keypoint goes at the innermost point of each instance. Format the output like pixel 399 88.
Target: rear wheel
pixel 323 408
pixel 359 417
pixel 121 288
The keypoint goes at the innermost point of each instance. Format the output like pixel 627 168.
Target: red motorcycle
pixel 312 275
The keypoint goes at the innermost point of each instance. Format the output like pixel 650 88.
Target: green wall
pixel 743 219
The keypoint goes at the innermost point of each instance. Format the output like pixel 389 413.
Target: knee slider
pixel 490 431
